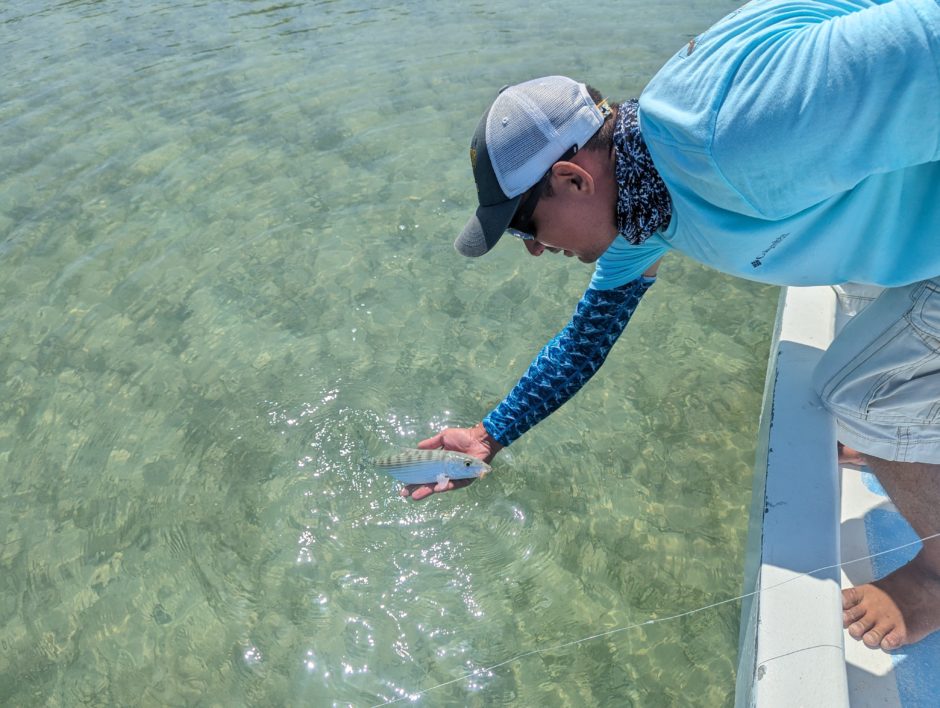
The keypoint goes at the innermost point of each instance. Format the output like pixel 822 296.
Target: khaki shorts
pixel 880 377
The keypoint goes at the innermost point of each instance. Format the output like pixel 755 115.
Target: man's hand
pixel 472 441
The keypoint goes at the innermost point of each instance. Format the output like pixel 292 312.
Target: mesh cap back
pixel 532 124
pixel 523 133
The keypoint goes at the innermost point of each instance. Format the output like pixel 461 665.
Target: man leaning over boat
pixel 793 144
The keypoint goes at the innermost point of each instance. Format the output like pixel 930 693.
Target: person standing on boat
pixel 793 144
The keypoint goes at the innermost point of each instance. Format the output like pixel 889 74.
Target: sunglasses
pixel 521 225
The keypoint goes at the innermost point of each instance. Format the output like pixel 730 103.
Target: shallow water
pixel 227 283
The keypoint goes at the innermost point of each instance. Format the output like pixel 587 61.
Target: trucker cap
pixel 527 128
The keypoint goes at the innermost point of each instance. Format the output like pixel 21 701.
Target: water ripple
pixel 228 284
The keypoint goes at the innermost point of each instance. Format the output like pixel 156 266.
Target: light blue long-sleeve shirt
pixel 800 144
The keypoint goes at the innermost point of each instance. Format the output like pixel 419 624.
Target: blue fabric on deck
pixel 915 666
pixel 872 484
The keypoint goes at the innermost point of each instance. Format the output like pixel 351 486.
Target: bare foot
pixel 848 456
pixel 901 608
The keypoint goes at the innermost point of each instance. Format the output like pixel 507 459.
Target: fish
pixel 412 466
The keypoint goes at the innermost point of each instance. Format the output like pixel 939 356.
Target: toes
pixel 850 598
pixel 873 637
pixel 853 614
pixel 860 629
pixel 893 639
pixel 885 637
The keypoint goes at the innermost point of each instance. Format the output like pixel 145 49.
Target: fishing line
pixel 657 620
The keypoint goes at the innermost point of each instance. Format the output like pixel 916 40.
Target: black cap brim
pixel 486 227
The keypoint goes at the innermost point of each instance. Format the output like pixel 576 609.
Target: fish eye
pixel 467 463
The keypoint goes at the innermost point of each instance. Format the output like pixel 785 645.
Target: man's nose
pixel 534 247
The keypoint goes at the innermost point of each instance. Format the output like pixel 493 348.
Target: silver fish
pixel 427 466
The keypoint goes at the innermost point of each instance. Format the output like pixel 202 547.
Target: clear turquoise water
pixel 227 282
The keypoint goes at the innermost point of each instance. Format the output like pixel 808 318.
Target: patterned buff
pixel 643 204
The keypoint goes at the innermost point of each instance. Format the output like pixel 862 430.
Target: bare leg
pixel 903 607
pixel 848 456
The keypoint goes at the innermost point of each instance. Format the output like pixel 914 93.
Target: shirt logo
pixel 759 261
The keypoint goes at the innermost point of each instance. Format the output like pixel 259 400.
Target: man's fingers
pixel 434 443
pixel 420 491
pixel 415 491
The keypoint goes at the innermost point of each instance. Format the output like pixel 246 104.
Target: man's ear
pixel 571 177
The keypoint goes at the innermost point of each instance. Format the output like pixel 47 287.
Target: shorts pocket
pixel 895 379
pixel 925 315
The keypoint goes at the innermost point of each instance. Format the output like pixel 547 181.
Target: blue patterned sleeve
pixel 567 362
